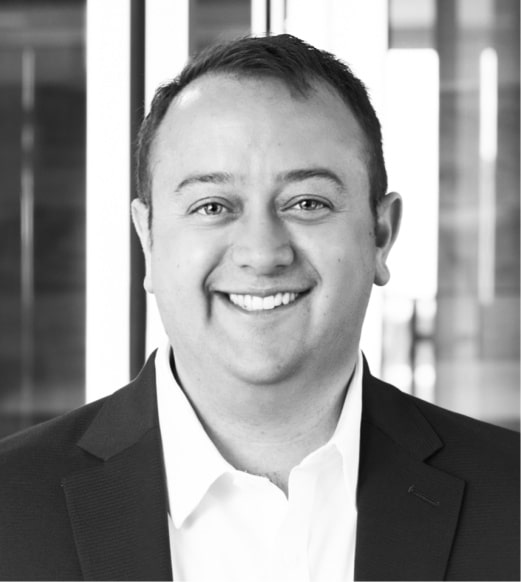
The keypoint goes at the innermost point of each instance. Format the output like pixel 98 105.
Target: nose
pixel 262 244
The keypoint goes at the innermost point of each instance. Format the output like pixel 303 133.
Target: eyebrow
pixel 211 178
pixel 291 176
pixel 309 173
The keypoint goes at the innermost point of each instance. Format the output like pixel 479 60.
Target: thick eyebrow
pixel 211 178
pixel 291 176
pixel 308 173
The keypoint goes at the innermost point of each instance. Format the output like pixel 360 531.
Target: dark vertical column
pixel 451 265
pixel 506 41
pixel 446 45
pixel 137 270
pixel 195 40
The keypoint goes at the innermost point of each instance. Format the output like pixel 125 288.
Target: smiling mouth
pixel 267 303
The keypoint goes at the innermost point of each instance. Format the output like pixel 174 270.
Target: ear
pixel 140 214
pixel 389 215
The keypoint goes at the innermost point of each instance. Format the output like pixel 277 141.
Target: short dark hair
pixel 287 58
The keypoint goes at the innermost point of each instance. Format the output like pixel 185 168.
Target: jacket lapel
pixel 407 510
pixel 118 507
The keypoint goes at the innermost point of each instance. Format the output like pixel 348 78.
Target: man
pixel 256 445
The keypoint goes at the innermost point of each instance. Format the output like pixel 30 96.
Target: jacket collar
pixel 111 431
pixel 407 510
pixel 396 415
pixel 117 507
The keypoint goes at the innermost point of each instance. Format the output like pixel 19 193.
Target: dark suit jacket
pixel 83 496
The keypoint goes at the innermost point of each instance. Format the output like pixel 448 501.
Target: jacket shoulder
pixel 35 451
pixel 459 440
pixel 52 446
pixel 483 456
pixel 470 442
pixel 487 458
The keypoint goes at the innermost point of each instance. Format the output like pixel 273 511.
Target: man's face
pixel 262 249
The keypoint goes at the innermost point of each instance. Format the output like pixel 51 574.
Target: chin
pixel 264 371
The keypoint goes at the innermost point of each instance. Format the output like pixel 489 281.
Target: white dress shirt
pixel 229 525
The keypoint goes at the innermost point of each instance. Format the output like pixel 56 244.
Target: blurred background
pixel 76 77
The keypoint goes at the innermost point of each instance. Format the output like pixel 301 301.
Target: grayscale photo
pixel 260 290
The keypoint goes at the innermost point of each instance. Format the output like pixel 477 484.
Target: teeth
pixel 268 302
pixel 257 303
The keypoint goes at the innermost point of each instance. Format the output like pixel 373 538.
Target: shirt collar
pixel 344 444
pixel 346 438
pixel 192 461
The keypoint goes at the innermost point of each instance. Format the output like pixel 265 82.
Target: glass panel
pixel 212 21
pixel 476 326
pixel 10 243
pixel 42 180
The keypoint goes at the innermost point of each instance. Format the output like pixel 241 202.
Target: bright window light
pixel 166 42
pixel 355 31
pixel 277 16
pixel 259 16
pixel 411 144
pixel 259 9
pixel 488 111
pixel 108 183
pixel 166 53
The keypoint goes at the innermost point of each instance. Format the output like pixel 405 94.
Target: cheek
pixel 343 247
pixel 181 262
pixel 345 263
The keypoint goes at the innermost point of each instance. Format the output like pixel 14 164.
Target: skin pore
pixel 262 255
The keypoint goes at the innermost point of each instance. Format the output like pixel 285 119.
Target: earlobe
pixel 140 213
pixel 386 230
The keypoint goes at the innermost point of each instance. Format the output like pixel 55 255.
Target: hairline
pixel 307 85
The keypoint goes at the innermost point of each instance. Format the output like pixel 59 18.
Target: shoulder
pixel 464 440
pixel 486 457
pixel 36 540
pixel 477 430
pixel 33 453
pixel 37 455
pixel 483 457
pixel 52 447
pixel 472 445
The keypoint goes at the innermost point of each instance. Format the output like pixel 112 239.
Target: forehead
pixel 224 112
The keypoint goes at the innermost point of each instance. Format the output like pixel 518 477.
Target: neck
pixel 267 430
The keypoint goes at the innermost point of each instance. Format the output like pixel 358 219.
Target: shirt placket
pixel 290 554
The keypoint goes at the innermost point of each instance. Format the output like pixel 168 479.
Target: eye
pixel 211 209
pixel 310 204
pixel 308 208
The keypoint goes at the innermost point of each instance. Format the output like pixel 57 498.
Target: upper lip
pixel 266 292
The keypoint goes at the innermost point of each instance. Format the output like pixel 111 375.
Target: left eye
pixel 211 209
pixel 310 204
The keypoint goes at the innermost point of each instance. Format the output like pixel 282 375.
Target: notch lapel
pixel 118 507
pixel 407 510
